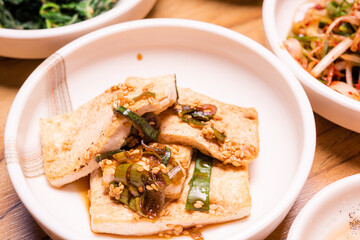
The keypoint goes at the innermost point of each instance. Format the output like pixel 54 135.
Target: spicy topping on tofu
pixel 138 177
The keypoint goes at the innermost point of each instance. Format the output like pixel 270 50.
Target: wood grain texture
pixel 337 150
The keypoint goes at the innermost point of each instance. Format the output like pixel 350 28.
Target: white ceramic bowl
pixel 205 57
pixel 44 42
pixel 277 19
pixel 329 212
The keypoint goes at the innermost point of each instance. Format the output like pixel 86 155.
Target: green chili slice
pixel 140 122
pixel 200 184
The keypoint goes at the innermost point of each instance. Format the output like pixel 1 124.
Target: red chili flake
pixel 350 93
pixel 357 85
pixel 318 7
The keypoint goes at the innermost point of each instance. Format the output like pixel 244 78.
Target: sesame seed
pixel 155 170
pixel 178 228
pixel 140 169
pixel 186 232
pixel 213 206
pixel 236 164
pixel 198 226
pixel 149 188
pixel 154 187
pixel 170 225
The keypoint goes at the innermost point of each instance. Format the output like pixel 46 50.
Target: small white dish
pixel 277 19
pixel 329 213
pixel 44 42
pixel 205 57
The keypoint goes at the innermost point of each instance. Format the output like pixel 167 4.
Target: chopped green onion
pixel 176 88
pixel 304 38
pixel 139 204
pixel 132 204
pixel 154 203
pixel 122 173
pixel 193 121
pixel 125 196
pixel 166 157
pixel 220 136
pixel 175 174
pixel 120 157
pixel 140 122
pixel 136 178
pixel 134 191
pixel 325 49
pixel 144 94
pixel 102 156
pixel 200 184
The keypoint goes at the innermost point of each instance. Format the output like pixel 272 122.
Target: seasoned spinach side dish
pixel 38 14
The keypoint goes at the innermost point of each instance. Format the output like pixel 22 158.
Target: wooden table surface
pixel 337 149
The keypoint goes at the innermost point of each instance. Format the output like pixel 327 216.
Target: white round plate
pixel 328 214
pixel 277 18
pixel 207 58
pixel 44 42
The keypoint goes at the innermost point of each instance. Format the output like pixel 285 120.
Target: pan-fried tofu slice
pixel 241 144
pixel 71 141
pixel 229 200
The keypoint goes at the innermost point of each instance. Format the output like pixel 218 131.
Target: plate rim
pixel 73 28
pixel 309 135
pixel 324 195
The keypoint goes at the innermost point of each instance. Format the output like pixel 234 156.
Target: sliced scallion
pixel 166 157
pixel 200 184
pixel 140 122
pixel 107 155
pixel 144 94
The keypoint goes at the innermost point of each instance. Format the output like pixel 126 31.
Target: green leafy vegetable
pixel 37 14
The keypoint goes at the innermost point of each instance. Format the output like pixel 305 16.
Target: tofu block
pixel 241 145
pixel 71 141
pixel 229 192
